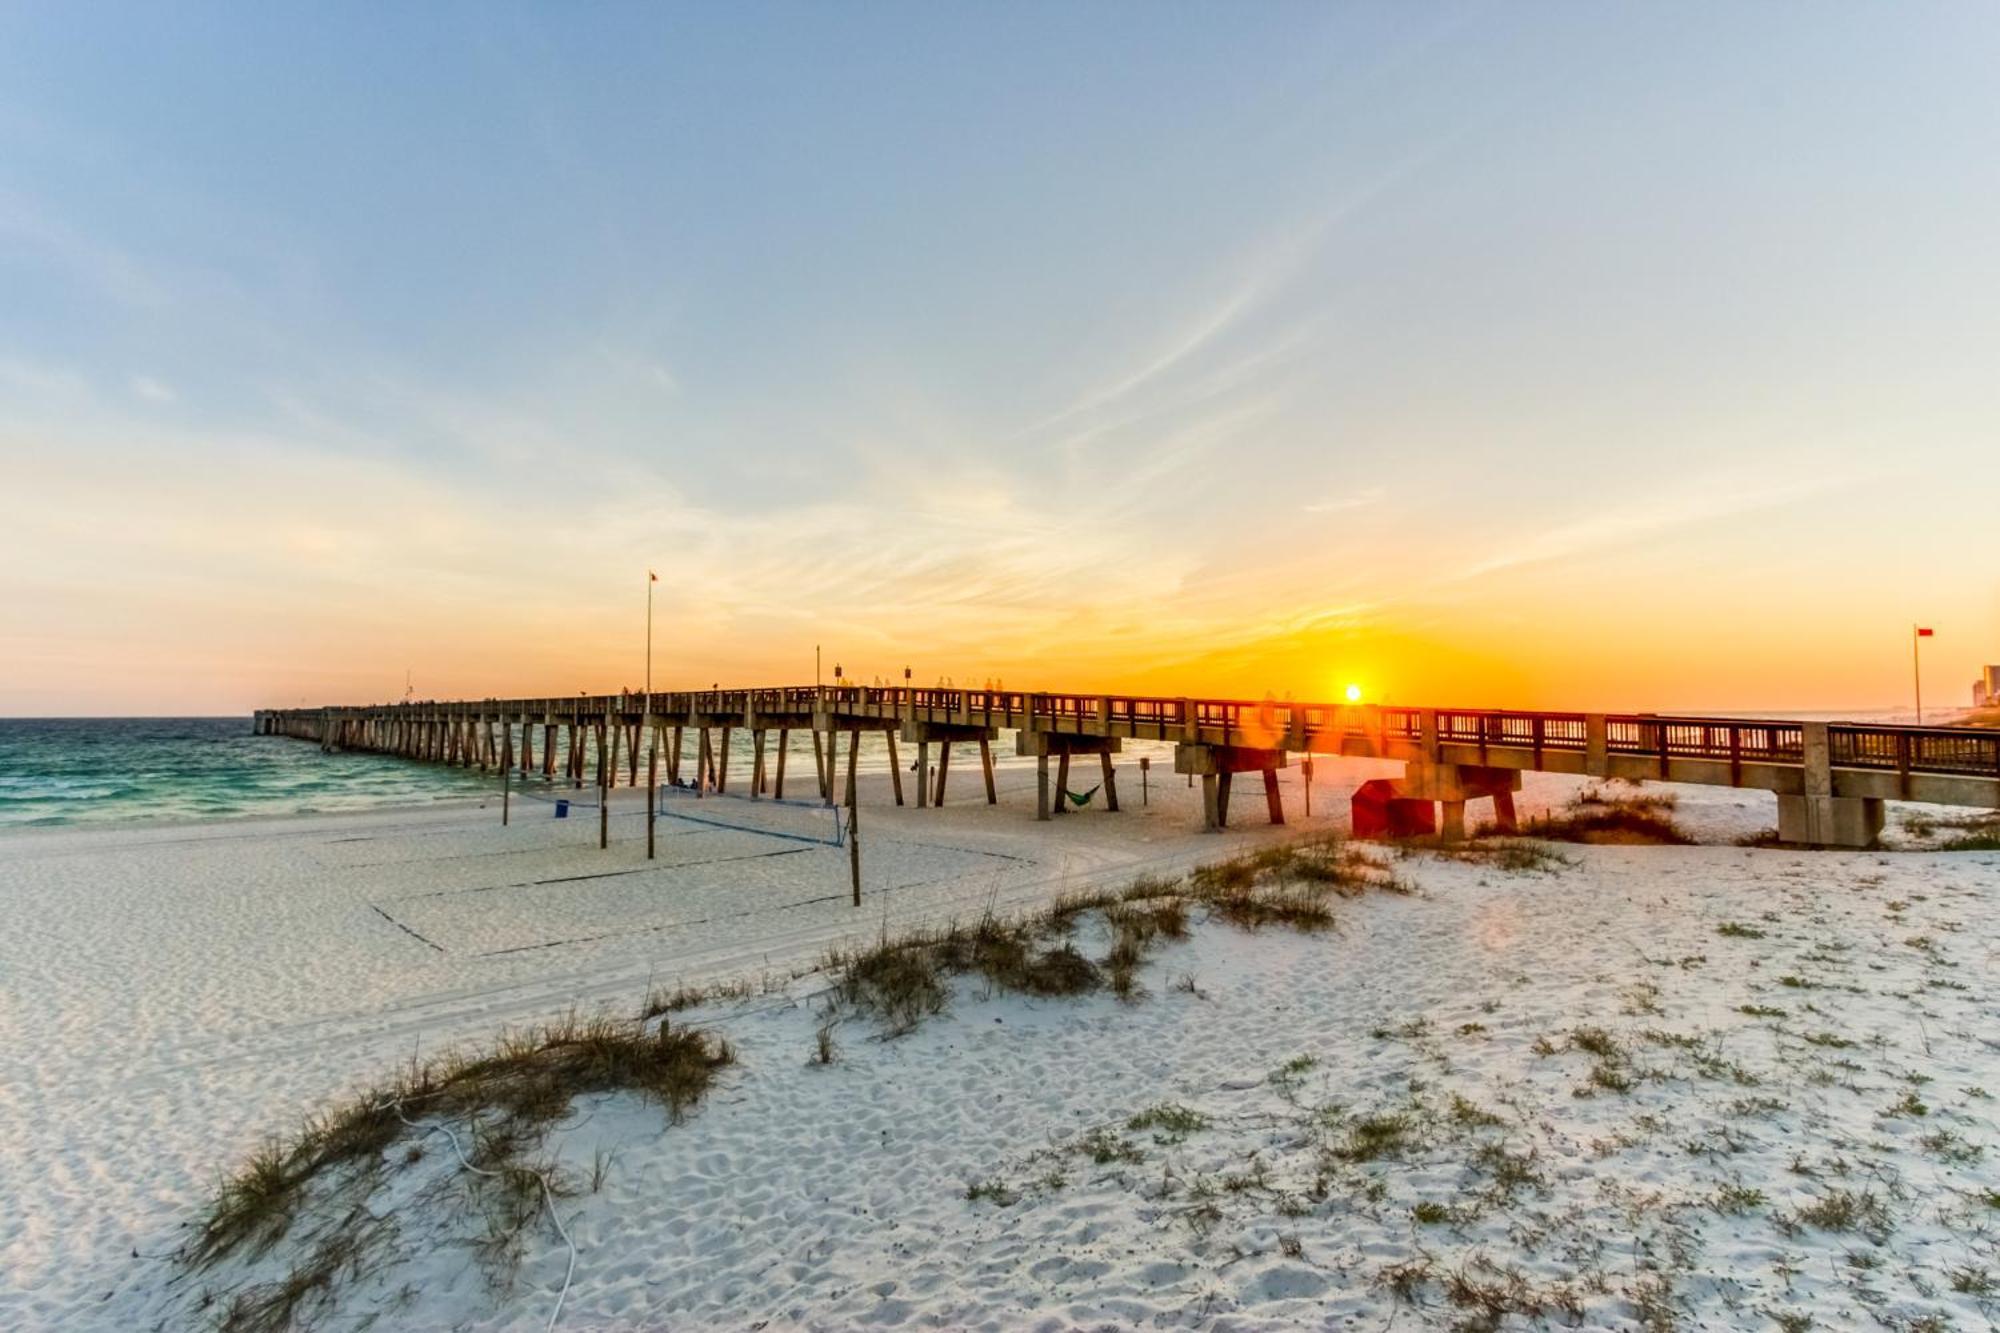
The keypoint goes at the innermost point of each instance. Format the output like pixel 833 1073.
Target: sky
pixel 1554 355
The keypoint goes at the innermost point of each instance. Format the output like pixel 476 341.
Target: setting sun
pixel 1354 694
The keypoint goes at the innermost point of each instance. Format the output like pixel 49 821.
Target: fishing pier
pixel 1831 779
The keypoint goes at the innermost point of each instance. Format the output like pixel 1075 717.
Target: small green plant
pixel 1737 930
pixel 1842 1210
pixel 1611 1078
pixel 1470 1114
pixel 1171 1119
pixel 1597 1042
pixel 1107 1146
pixel 1293 1071
pixel 1735 1197
pixel 1830 1040
pixel 1376 1136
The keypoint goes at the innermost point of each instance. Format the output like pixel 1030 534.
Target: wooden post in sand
pixel 652 792
pixel 506 777
pixel 853 825
pixel 603 795
pixel 895 765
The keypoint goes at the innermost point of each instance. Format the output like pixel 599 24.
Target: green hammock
pixel 1080 801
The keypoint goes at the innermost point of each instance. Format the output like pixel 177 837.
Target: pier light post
pixel 651 579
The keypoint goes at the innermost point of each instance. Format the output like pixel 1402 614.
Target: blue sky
pixel 1496 353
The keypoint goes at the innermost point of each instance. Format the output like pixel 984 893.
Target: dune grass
pixel 500 1103
pixel 1601 815
pixel 506 1097
pixel 903 981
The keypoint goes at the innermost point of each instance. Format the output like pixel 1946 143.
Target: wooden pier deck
pixel 1830 778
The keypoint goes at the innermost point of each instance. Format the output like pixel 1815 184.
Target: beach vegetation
pixel 1600 815
pixel 902 981
pixel 1492 846
pixel 1841 1210
pixel 506 1097
pixel 1171 1120
pixel 825 1050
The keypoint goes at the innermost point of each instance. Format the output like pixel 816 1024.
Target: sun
pixel 1354 694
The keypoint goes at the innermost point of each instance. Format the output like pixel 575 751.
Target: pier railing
pixel 1942 751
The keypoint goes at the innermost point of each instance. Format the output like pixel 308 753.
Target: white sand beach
pixel 1602 1103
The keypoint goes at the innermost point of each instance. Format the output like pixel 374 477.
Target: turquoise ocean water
pixel 56 771
pixel 61 771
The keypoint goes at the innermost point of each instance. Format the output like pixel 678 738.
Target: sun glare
pixel 1354 694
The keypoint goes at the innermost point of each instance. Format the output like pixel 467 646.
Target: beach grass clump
pixel 1491 846
pixel 505 1097
pixel 906 980
pixel 902 982
pixel 1371 1138
pixel 307 1292
pixel 1600 815
pixel 1293 884
pixel 1976 831
pixel 1171 1120
pixel 1841 1210
pixel 1490 1294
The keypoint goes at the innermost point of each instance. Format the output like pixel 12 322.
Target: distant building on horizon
pixel 1986 690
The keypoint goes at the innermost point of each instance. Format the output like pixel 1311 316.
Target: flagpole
pixel 1917 671
pixel 651 579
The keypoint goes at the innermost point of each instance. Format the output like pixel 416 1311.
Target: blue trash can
pixel 562 809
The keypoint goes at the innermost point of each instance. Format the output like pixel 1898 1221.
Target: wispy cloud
pixel 1335 504
pixel 1718 497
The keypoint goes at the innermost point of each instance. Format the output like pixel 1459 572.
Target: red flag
pixel 651 577
pixel 1923 633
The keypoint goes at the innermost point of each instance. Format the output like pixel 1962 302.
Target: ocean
pixel 58 771
pixel 63 771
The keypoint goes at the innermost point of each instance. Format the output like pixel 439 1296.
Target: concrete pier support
pixel 924 733
pixel 1045 745
pixel 1403 807
pixel 1818 818
pixel 1217 766
pixel 1830 821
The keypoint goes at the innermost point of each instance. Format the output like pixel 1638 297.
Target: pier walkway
pixel 1830 778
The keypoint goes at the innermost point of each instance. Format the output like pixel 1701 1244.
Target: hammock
pixel 1080 801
